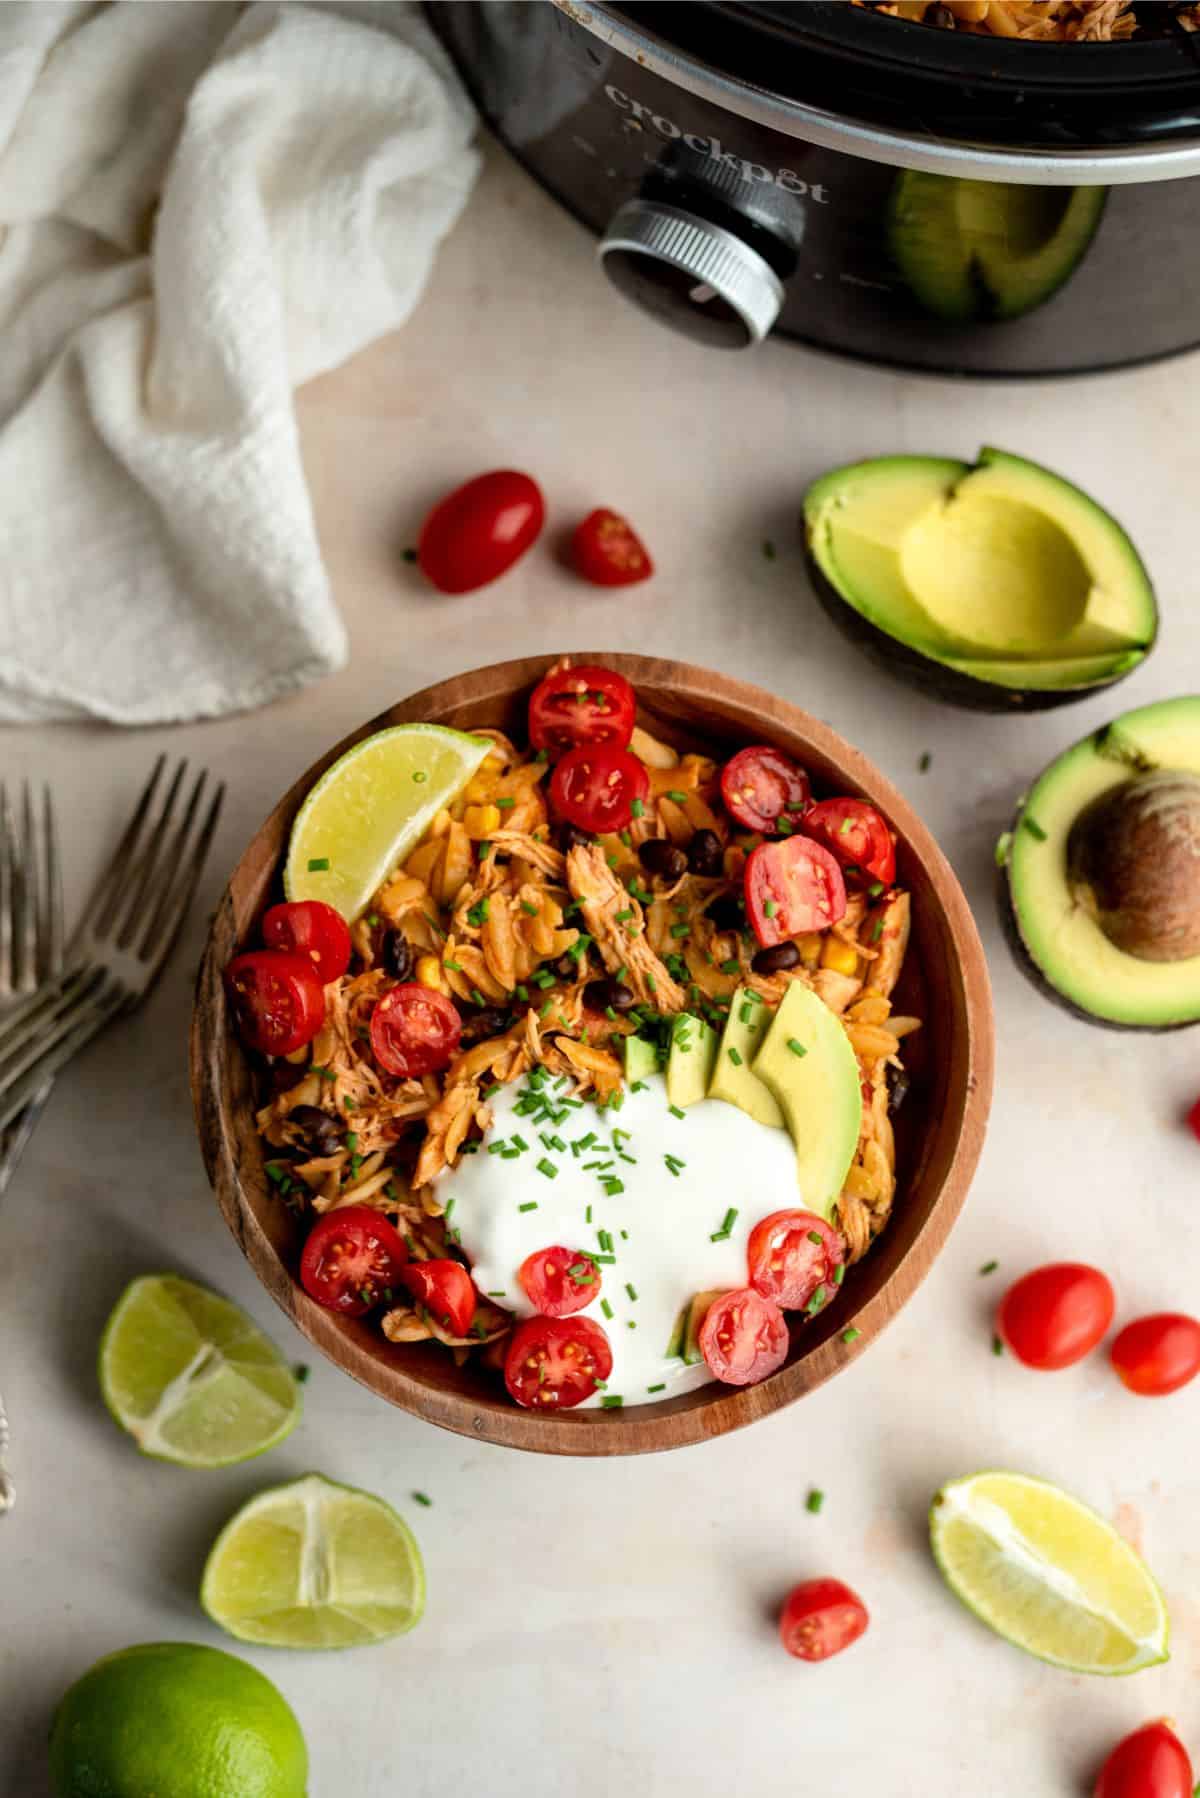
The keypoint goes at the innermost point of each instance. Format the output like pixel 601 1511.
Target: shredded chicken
pixel 616 923
pixel 1046 21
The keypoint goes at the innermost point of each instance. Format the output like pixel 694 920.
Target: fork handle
pixel 16 1092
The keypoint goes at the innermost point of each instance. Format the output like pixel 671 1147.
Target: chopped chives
pixel 796 1047
pixel 875 888
pixel 815 1500
pixel 587 1216
pixel 734 1056
pixel 497 1292
pixel 318 864
pixel 505 805
pixel 839 1273
pixel 529 1205
pixel 661 1387
pixel 624 837
pixel 622 917
pixel 543 978
pixel 547 1167
pixel 851 1335
pixel 631 1290
pixel 681 930
pixel 455 967
pixel 997 1346
pixel 989 1267
pixel 606 1307
pixel 611 1401
pixel 676 796
pixel 730 967
pixel 1030 824
pixel 817 1300
pixel 521 991
pixel 605 1260
pixel 519 1143
pixel 815 1236
pixel 613 1187
pixel 924 762
pixel 421 1498
pixel 494 1148
pixel 637 808
pixel 770 908
pixel 676 1111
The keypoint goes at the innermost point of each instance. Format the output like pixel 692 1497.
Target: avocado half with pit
pixel 999 586
pixel 1101 872
pixel 973 251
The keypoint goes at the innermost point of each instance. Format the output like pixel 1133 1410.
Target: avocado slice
pixel 641 1058
pixel 998 585
pixel 807 1063
pixel 1058 940
pixel 697 1311
pixel 973 251
pixel 733 1078
pixel 689 1064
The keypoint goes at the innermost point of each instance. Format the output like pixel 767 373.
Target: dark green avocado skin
pixel 934 678
pixel 1012 935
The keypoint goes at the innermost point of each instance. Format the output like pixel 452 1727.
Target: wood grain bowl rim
pixel 712 1410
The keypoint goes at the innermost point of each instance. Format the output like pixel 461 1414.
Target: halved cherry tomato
pixel 761 786
pixel 1193 1118
pixel 414 1030
pixel 573 706
pixel 856 834
pixel 315 931
pixel 744 1337
pixel 559 1281
pixel 477 532
pixel 792 1254
pixel 277 998
pixel 599 787
pixel 820 1618
pixel 1056 1315
pixel 1158 1354
pixel 445 1289
pixel 607 551
pixel 554 1362
pixel 792 886
pixel 1150 1763
pixel 351 1258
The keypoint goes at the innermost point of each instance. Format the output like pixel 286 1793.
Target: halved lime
pixel 371 809
pixel 314 1565
pixel 1048 1574
pixel 191 1378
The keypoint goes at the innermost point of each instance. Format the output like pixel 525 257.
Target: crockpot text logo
pixel 785 179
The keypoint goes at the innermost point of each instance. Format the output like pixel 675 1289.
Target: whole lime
pixel 173 1720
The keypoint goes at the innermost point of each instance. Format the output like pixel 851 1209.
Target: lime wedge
pixel 371 809
pixel 1048 1574
pixel 314 1565
pixel 191 1378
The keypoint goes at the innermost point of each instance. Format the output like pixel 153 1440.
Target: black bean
pixel 898 1087
pixel 477 1025
pixel 396 956
pixel 704 855
pixel 726 913
pixel 608 995
pixel 571 837
pixel 321 1132
pixel 662 857
pixel 776 959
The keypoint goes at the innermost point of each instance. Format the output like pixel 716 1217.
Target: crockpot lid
pixel 933 84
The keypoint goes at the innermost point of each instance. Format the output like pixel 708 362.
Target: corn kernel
pixel 841 957
pixel 477 790
pixel 810 948
pixel 481 820
pixel 429 973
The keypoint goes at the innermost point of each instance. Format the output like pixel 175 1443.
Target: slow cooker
pixel 873 186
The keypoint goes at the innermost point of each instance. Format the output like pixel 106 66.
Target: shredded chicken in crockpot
pixel 1055 21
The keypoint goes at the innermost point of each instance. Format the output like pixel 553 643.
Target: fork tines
pixel 30 894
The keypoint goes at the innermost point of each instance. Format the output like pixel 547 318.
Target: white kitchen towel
pixel 201 206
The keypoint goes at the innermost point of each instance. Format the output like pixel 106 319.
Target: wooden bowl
pixel 939 1131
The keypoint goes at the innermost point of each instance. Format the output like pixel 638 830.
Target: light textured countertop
pixel 608 1626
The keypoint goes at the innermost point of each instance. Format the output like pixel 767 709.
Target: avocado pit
pixel 1133 863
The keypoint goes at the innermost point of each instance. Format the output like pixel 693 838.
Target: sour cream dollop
pixel 659 1185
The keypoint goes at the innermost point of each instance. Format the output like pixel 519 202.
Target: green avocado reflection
pixel 974 252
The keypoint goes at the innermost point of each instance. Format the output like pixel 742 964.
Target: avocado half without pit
pixel 998 586
pixel 1101 872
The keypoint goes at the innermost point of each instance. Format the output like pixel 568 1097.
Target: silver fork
pixel 128 928
pixel 31 943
